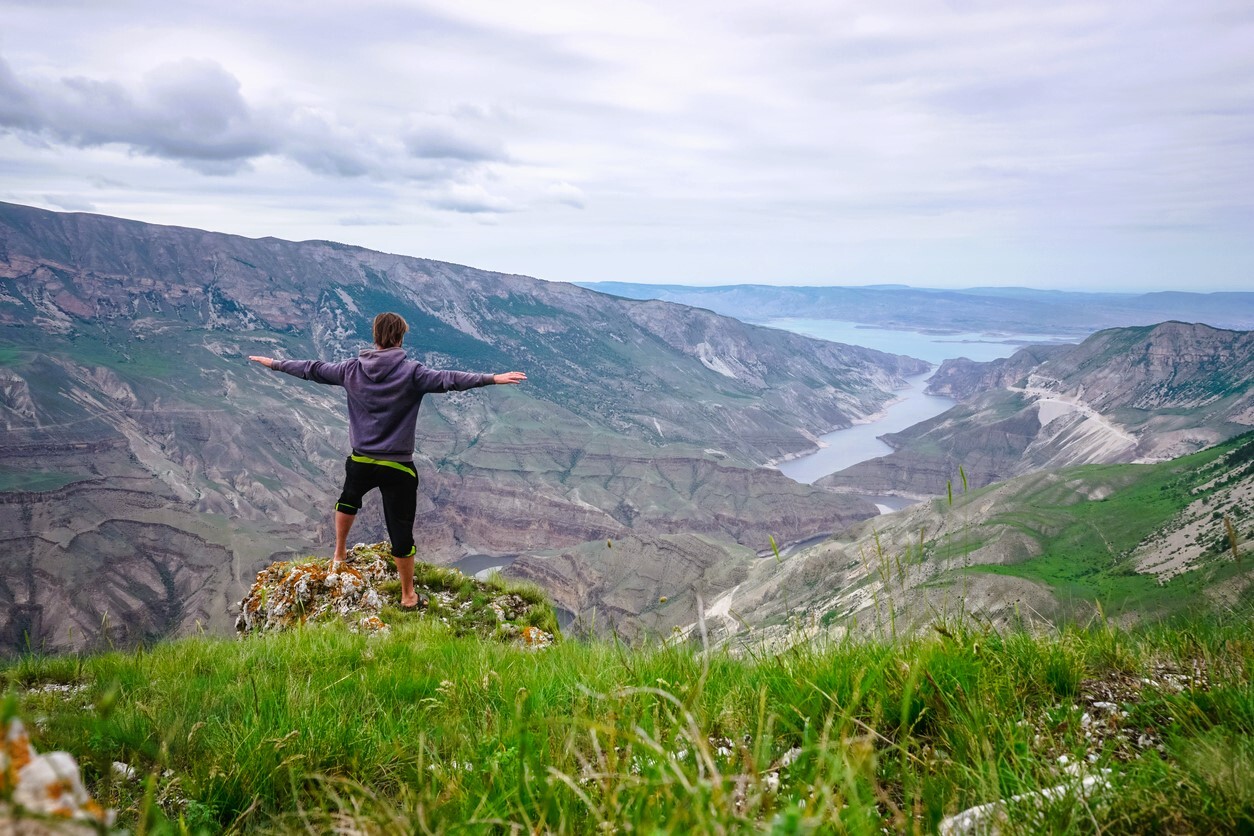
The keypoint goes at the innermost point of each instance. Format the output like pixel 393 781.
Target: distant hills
pixel 148 470
pixel 993 310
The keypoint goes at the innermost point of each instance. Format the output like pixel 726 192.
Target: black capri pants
pixel 397 482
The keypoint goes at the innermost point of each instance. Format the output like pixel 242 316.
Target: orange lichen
pixel 17 746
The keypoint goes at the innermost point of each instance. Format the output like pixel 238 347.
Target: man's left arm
pixel 444 380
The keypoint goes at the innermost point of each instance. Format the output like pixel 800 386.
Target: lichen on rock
pixel 288 594
pixel 44 791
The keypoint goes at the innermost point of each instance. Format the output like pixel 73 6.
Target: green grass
pixel 1087 546
pixel 34 480
pixel 423 731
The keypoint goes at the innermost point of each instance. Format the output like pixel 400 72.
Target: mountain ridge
pixel 992 310
pixel 122 351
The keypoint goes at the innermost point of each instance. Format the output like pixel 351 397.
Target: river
pixel 860 442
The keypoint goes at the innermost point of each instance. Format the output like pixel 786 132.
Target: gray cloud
pixel 193 112
pixel 444 137
pixel 189 111
pixel 470 200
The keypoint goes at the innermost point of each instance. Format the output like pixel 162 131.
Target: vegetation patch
pixel 290 594
pixel 12 479
pixel 424 731
pixel 1088 548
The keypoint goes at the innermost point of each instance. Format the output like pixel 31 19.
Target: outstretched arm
pixel 315 370
pixel 436 380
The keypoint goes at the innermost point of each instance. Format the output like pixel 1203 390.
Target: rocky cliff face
pixel 149 471
pixel 1123 395
pixel 963 379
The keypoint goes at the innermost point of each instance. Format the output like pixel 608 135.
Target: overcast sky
pixel 1050 144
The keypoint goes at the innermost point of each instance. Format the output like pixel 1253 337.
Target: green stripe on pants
pixel 384 463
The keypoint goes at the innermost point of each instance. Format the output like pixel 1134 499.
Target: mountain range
pixel 1126 542
pixel 148 470
pixel 995 310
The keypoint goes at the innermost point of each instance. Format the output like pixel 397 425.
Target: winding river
pixel 860 442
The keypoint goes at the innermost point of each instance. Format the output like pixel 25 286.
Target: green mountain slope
pixel 1131 542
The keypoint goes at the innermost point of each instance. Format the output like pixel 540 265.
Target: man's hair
pixel 389 330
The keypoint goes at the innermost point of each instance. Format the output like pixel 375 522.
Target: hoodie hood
pixel 378 363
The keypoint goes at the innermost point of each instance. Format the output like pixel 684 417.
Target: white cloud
pixel 567 194
pixel 469 199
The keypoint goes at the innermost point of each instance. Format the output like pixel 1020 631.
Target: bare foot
pixel 336 563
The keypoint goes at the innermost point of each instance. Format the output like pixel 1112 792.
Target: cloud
pixel 450 138
pixel 193 112
pixel 567 194
pixel 469 199
pixel 189 111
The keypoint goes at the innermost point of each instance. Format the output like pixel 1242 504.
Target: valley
pixel 131 417
pixel 148 471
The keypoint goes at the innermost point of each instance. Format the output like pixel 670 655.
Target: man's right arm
pixel 315 370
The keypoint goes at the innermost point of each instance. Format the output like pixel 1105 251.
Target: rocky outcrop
pixel 290 594
pixel 963 379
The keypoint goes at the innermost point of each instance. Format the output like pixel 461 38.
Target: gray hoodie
pixel 384 392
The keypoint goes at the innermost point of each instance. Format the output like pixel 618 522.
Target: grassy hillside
pixel 423 731
pixel 1130 541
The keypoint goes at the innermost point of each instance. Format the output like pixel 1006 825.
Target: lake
pixel 860 442
pixel 934 348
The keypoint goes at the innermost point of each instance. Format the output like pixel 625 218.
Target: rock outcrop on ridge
pixel 364 589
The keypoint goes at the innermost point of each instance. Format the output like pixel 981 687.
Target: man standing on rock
pixel 384 392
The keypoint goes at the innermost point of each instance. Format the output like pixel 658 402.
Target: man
pixel 384 391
